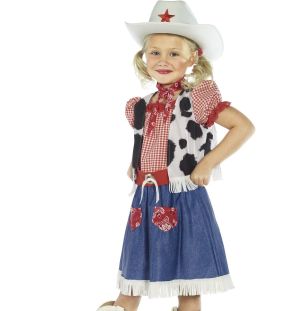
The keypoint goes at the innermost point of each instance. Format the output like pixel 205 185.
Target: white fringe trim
pixel 132 191
pixel 174 287
pixel 179 184
pixel 217 173
pixel 182 183
pixel 134 185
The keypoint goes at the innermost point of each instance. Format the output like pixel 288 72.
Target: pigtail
pixel 202 70
pixel 140 67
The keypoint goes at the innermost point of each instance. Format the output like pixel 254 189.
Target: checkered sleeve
pixel 207 102
pixel 129 109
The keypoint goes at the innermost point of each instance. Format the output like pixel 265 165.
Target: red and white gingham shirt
pixel 207 103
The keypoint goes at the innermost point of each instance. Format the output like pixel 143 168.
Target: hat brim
pixel 205 35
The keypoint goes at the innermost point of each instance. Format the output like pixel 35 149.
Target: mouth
pixel 163 71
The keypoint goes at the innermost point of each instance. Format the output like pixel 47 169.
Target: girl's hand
pixel 129 171
pixel 201 173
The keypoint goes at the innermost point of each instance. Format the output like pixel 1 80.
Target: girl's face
pixel 167 58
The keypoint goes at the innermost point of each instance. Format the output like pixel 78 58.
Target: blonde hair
pixel 202 68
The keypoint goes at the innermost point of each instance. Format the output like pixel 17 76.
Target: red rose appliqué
pixel 135 217
pixel 165 218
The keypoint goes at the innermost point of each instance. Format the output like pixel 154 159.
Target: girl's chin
pixel 166 81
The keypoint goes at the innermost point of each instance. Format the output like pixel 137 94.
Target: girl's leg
pixel 189 303
pixel 129 303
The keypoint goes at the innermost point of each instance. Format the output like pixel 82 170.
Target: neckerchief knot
pixel 167 94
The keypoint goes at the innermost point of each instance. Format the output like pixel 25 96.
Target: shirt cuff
pixel 215 113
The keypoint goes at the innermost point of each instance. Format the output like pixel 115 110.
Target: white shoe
pixel 109 306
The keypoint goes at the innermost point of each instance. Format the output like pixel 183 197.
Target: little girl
pixel 172 244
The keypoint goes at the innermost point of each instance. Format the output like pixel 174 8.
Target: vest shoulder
pixel 132 101
pixel 204 86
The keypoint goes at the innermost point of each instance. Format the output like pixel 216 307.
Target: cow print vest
pixel 188 142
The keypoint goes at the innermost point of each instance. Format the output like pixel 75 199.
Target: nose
pixel 163 63
pixel 163 60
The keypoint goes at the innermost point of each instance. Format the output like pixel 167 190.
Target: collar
pixel 168 92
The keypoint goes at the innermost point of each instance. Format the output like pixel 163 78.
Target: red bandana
pixel 154 108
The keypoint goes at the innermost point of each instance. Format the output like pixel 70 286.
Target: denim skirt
pixel 172 247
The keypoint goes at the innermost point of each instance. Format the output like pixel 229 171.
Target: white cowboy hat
pixel 176 17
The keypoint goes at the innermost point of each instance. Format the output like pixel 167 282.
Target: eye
pixel 174 54
pixel 154 52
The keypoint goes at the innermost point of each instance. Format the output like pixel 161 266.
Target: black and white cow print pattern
pixel 188 142
pixel 139 121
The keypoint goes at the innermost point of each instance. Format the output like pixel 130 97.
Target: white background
pixel 66 74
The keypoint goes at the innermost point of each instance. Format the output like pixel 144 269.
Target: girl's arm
pixel 240 129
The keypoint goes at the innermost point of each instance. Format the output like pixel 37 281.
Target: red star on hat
pixel 166 16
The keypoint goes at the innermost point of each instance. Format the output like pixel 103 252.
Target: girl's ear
pixel 192 59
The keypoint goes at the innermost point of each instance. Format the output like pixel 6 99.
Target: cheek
pixel 182 66
pixel 150 63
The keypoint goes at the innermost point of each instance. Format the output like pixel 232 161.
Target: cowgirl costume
pixel 172 243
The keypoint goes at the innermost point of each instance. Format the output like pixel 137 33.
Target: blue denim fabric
pixel 193 249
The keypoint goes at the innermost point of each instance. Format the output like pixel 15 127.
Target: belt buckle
pixel 149 175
